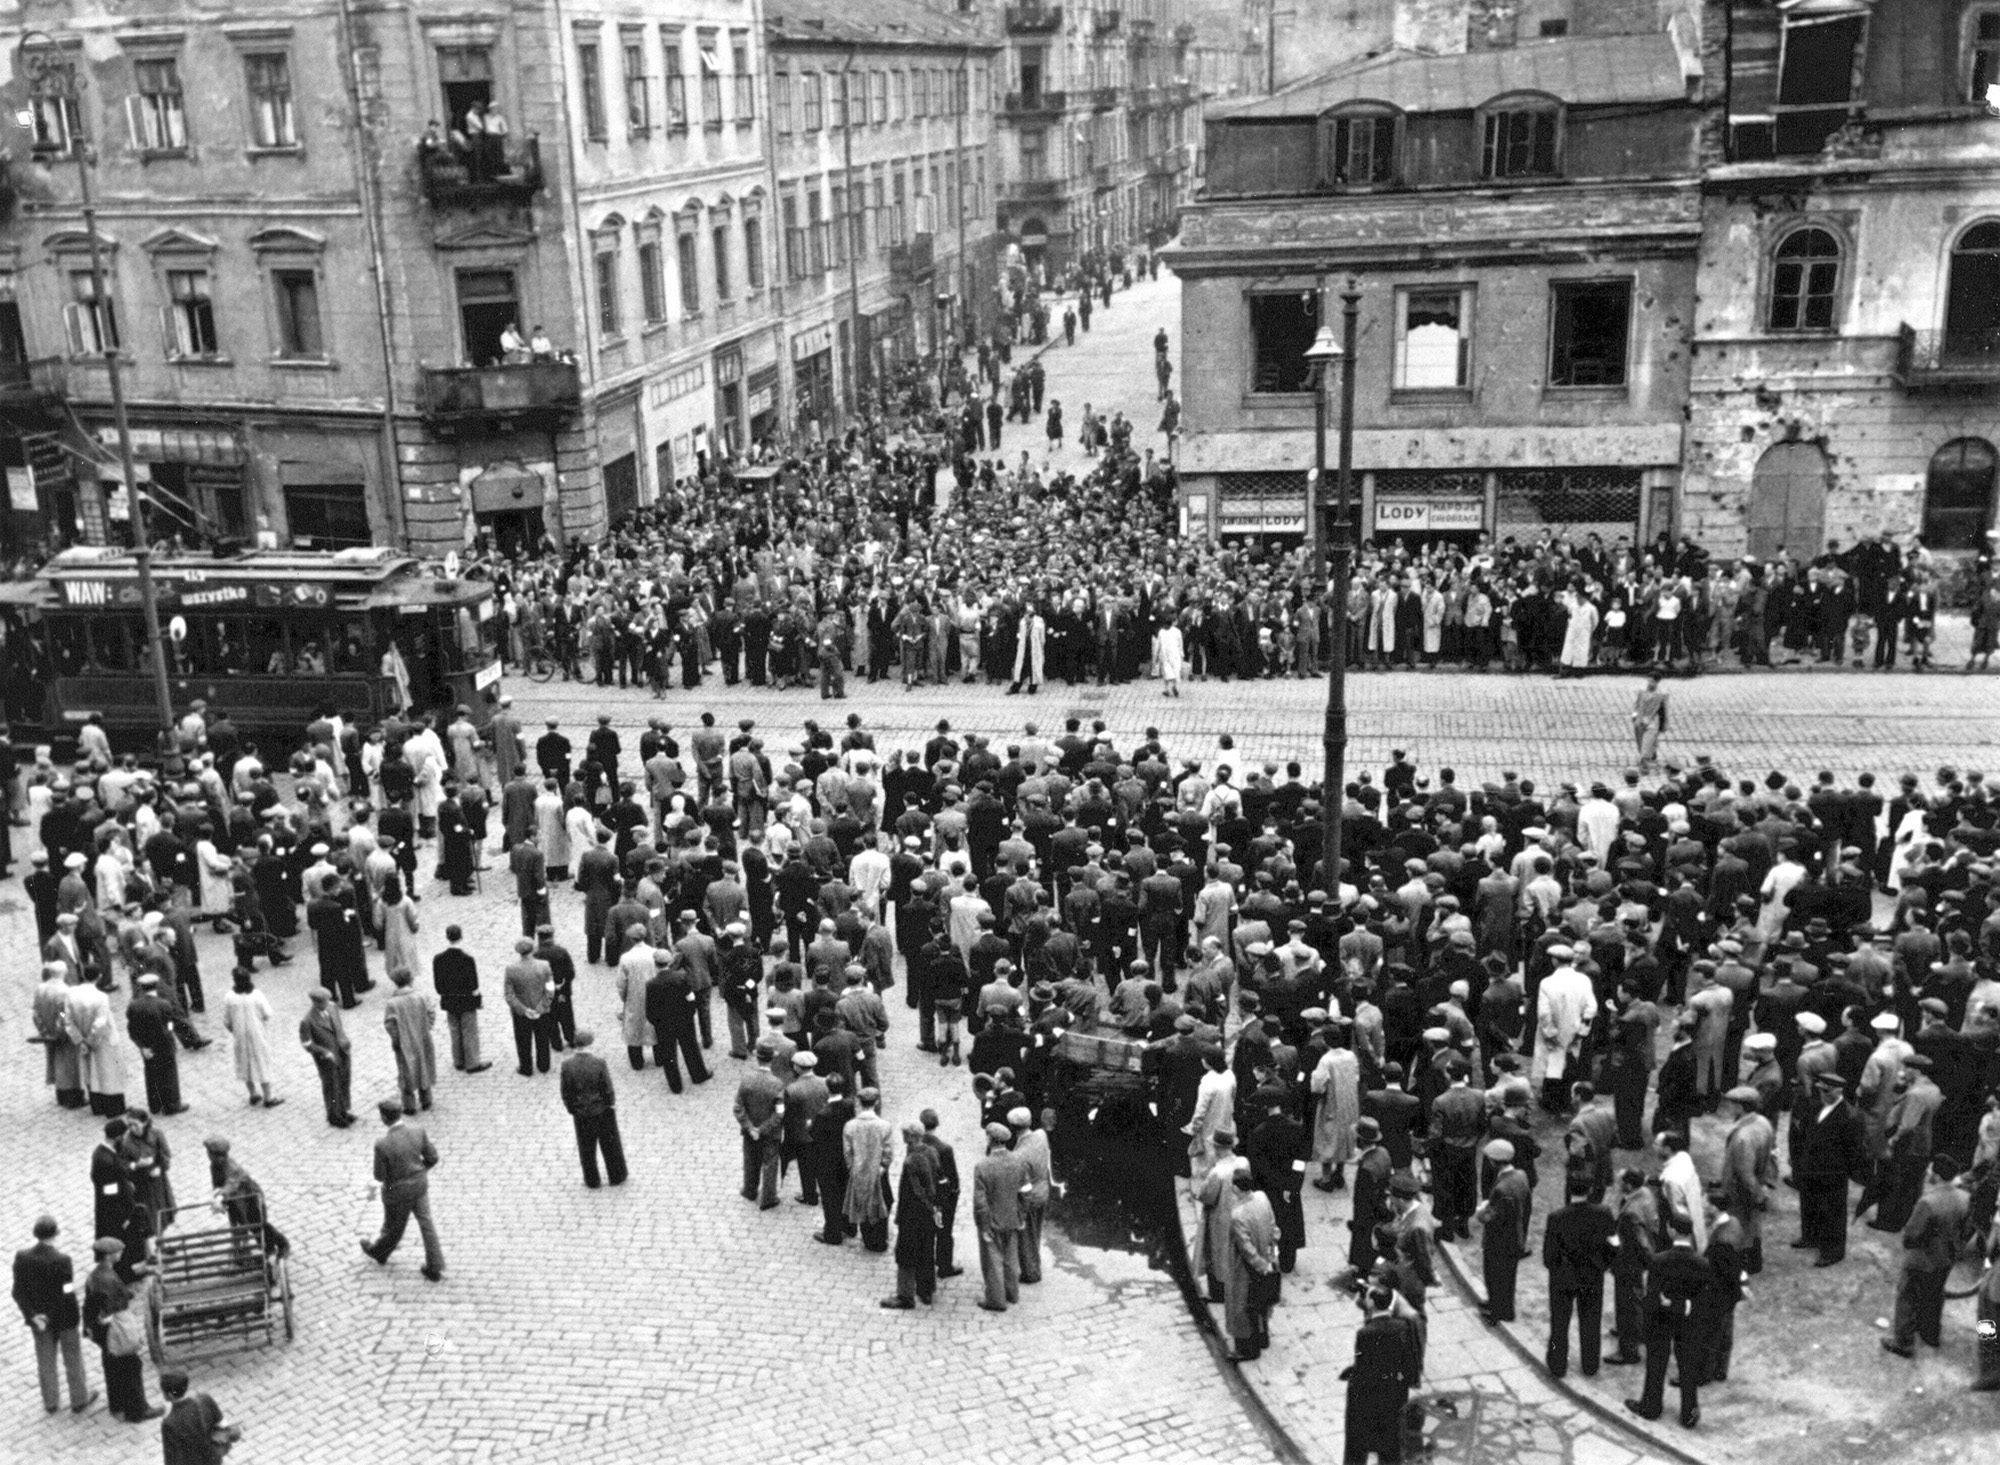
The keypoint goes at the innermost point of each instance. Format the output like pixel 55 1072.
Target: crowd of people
pixel 1511 982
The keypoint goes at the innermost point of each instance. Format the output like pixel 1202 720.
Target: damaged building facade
pixel 1521 224
pixel 1846 373
pixel 1726 269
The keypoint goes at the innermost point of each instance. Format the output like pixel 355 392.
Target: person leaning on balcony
pixel 513 350
pixel 493 146
pixel 543 348
pixel 473 127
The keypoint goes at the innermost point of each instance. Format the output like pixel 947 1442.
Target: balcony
pixel 1104 176
pixel 1168 163
pixel 456 180
pixel 1039 190
pixel 1036 104
pixel 1184 34
pixel 1033 20
pixel 1146 98
pixel 1178 94
pixel 34 384
pixel 912 262
pixel 1104 22
pixel 1103 98
pixel 1947 358
pixel 462 401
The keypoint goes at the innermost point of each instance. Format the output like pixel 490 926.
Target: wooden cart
pixel 216 1286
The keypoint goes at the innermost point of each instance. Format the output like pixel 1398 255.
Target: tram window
pixel 268 653
pixel 68 647
pixel 111 644
pixel 223 651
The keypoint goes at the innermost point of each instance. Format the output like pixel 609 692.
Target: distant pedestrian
pixel 1386 1368
pixel 112 1320
pixel 868 1145
pixel 1503 1237
pixel 760 1117
pixel 1055 425
pixel 408 1017
pixel 592 1101
pixel 1031 1148
pixel 997 1183
pixel 195 1431
pixel 404 1159
pixel 323 1034
pixel 44 1291
pixel 1649 722
pixel 917 1222
pixel 455 975
pixel 530 988
pixel 246 1013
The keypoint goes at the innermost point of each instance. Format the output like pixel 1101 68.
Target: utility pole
pixel 55 75
pixel 857 377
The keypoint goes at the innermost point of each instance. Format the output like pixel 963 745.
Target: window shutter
pixel 135 121
pixel 170 341
pixel 77 325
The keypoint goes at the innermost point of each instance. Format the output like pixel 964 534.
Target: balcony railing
pixel 912 261
pixel 1033 20
pixel 454 179
pixel 33 383
pixel 1036 104
pixel 1037 188
pixel 475 398
pixel 1947 358
pixel 1103 98
pixel 1104 22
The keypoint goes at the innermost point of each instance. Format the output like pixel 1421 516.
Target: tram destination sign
pixel 195 592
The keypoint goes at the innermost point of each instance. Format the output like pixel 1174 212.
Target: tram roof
pixel 343 579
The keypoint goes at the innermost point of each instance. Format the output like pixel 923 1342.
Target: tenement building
pixel 1520 223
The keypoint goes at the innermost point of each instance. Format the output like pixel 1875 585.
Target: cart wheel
pixel 285 1294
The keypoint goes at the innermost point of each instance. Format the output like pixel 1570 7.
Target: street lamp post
pixel 54 76
pixel 1323 353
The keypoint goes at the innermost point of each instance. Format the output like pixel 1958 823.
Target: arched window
pixel 1521 136
pixel 1360 147
pixel 1958 494
pixel 1972 302
pixel 1805 276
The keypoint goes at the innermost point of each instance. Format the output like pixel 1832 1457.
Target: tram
pixel 271 635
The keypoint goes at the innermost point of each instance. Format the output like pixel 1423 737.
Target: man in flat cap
pixel 1749 1169
pixel 998 1181
pixel 1829 1152
pixel 1503 1237
pixel 592 1101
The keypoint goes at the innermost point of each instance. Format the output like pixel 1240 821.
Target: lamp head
pixel 1325 349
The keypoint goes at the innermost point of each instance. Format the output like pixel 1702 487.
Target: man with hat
pixel 45 1293
pixel 1578 1246
pixel 592 1102
pixel 1931 1241
pixel 105 1297
pixel 1372 1174
pixel 1458 1123
pixel 760 1117
pixel 404 1158
pixel 194 1431
pixel 323 1034
pixel 1828 1152
pixel 529 987
pixel 672 1007
pixel 806 1098
pixel 1031 1148
pixel 1749 1169
pixel 1912 1121
pixel 1566 1006
pixel 1503 1231
pixel 918 1218
pixel 149 1021
pixel 998 1183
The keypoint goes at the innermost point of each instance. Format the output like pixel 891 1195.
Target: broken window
pixel 1434 339
pixel 1816 79
pixel 1282 328
pixel 1590 326
pixel 1358 151
pixel 1520 144
pixel 1805 272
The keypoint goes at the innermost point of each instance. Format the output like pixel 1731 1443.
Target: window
pixel 55 123
pixel 1588 330
pixel 753 253
pixel 878 91
pixel 328 515
pixel 1972 296
pixel 711 80
pixel 488 302
pixel 837 228
pixel 674 84
pixel 1520 144
pixel 795 239
pixel 1433 339
pixel 781 101
pixel 1958 495
pixel 815 99
pixel 608 311
pixel 815 233
pixel 1985 54
pixel 920 93
pixel 465 74
pixel 268 78
pixel 899 96
pixel 690 276
pixel 297 296
pixel 897 232
pixel 1034 154
pixel 879 210
pixel 718 239
pixel 1805 271
pixel 841 80
pixel 652 282
pixel 190 314
pixel 1815 79
pixel 93 323
pixel 742 84
pixel 638 100
pixel 590 83
pixel 1357 151
pixel 155 110
pixel 1282 327
pixel 1550 29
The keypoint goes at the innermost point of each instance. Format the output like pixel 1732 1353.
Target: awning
pixel 507 486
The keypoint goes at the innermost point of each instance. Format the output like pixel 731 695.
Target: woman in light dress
pixel 1172 651
pixel 399 928
pixel 213 866
pixel 246 1013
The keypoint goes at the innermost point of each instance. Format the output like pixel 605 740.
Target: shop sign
pixel 1435 516
pixel 1261 516
pixel 192 592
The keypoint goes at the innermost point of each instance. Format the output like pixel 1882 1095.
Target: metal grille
pixel 1426 483
pixel 1237 487
pixel 1560 497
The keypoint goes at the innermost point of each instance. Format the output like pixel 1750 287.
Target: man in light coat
pixel 997 1183
pixel 635 970
pixel 1749 1169
pixel 1031 1148
pixel 1214 1109
pixel 1566 1005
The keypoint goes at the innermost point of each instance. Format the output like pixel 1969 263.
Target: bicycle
pixel 536 662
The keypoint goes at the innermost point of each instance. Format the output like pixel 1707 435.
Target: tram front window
pixel 69 647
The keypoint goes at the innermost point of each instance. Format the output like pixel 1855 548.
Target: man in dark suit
pixel 337 936
pixel 597 877
pixel 529 986
pixel 1577 1247
pixel 456 976
pixel 1396 1111
pixel 947 1192
pixel 552 755
pixel 1503 1237
pixel 997 1183
pixel 43 1280
pixel 149 1019
pixel 404 1157
pixel 593 1107
pixel 1676 1276
pixel 1830 1152
pixel 1458 1123
pixel 1371 1194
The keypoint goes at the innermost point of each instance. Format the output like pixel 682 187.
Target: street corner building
pixel 1726 269
pixel 387 275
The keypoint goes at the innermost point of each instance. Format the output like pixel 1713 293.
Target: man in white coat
pixel 1565 1007
pixel 1214 1109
